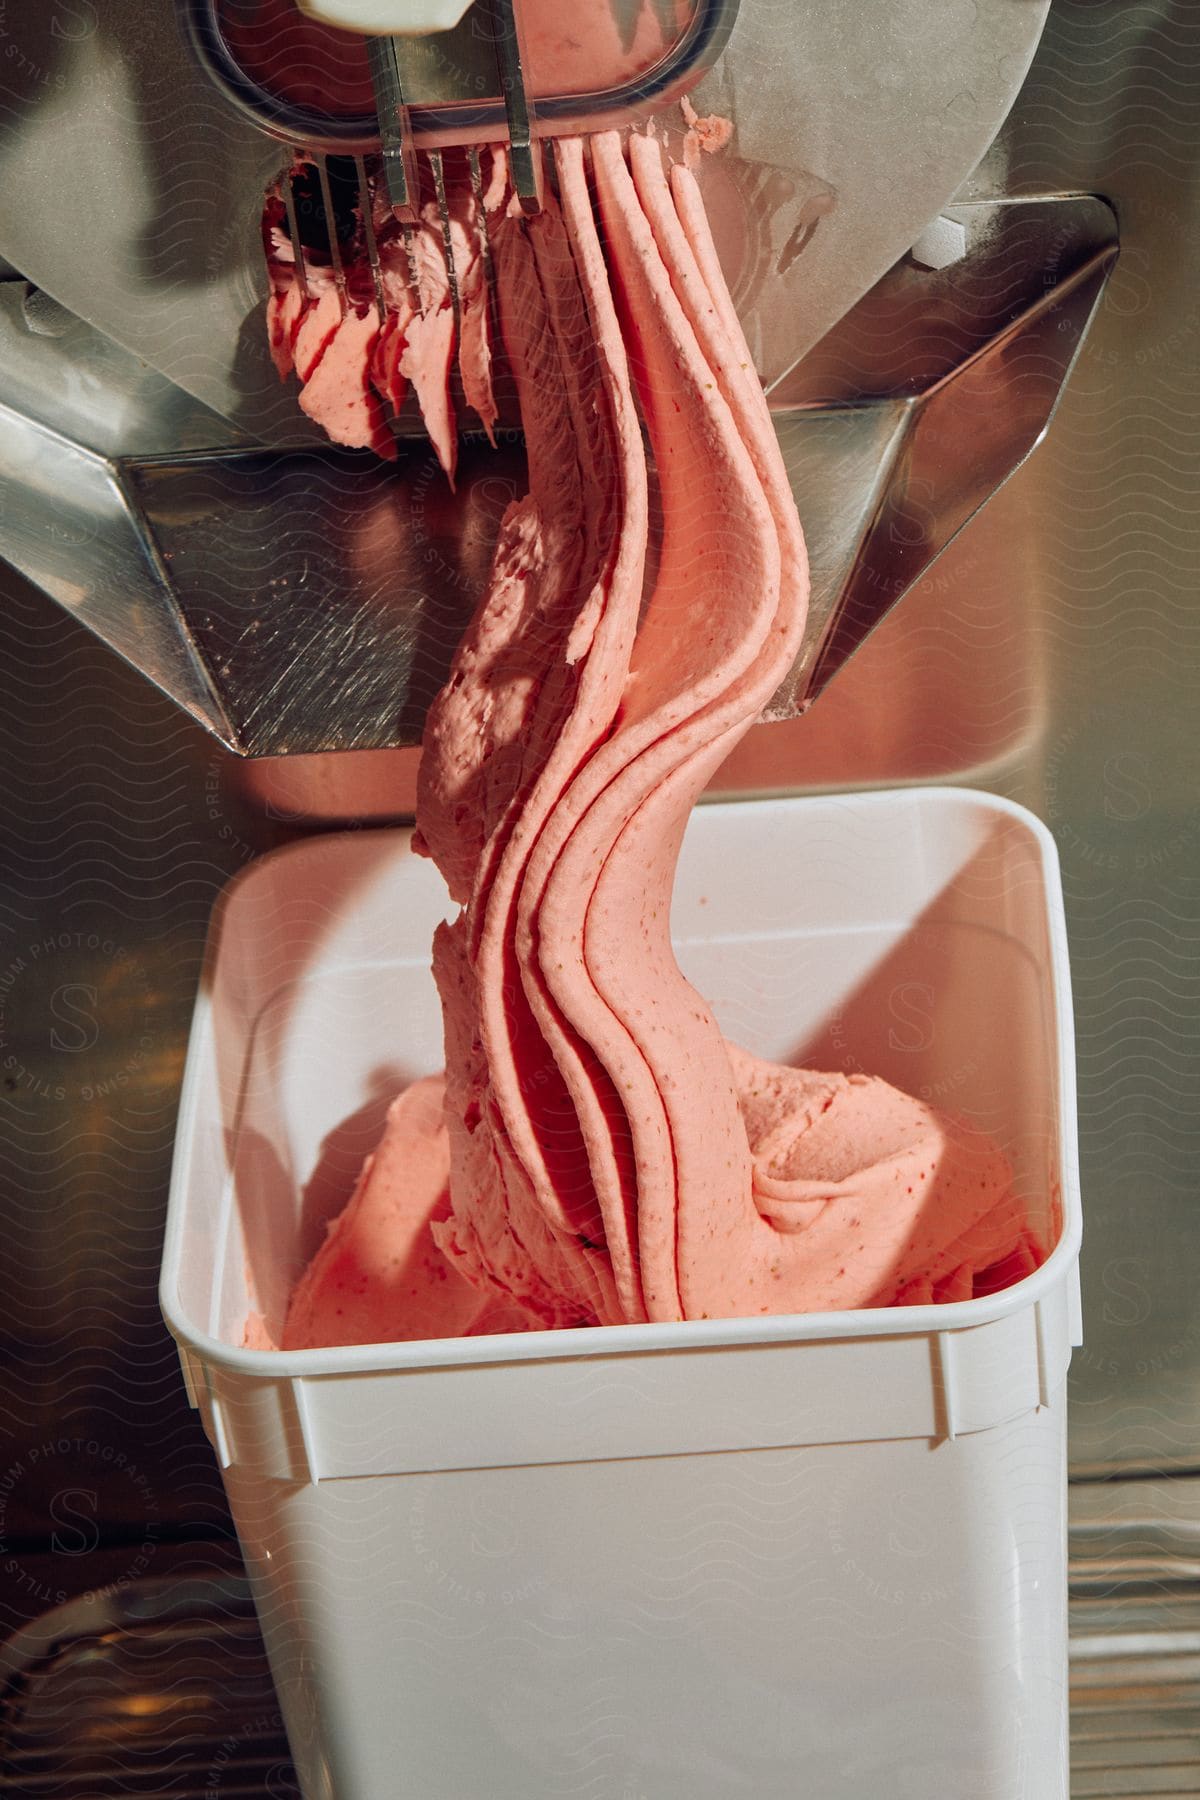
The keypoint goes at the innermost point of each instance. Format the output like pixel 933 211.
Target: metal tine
pixel 524 150
pixel 335 250
pixel 485 239
pixel 289 207
pixel 400 173
pixel 364 201
pixel 439 186
pixel 395 131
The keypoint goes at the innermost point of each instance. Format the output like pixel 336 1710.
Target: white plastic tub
pixel 811 1556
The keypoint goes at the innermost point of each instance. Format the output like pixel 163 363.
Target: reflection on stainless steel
pixel 1112 106
pixel 973 359
pixel 322 595
pixel 158 1688
pixel 82 386
pixel 301 602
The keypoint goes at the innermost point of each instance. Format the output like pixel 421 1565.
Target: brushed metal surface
pixel 1054 655
pixel 1114 104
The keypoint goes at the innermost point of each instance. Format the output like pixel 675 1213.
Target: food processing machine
pixel 892 168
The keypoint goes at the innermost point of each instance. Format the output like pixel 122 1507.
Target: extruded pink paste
pixel 605 1154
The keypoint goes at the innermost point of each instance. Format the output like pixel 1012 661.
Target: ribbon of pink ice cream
pixel 609 1157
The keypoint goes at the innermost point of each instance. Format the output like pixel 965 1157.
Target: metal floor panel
pixel 163 1690
pixel 1135 1700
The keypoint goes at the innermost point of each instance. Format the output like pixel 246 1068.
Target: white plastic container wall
pixel 818 1555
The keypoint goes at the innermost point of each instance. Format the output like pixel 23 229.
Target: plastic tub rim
pixel 595 1341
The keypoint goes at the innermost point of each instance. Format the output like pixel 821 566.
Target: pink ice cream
pixel 897 1204
pixel 379 1272
pixel 610 1156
